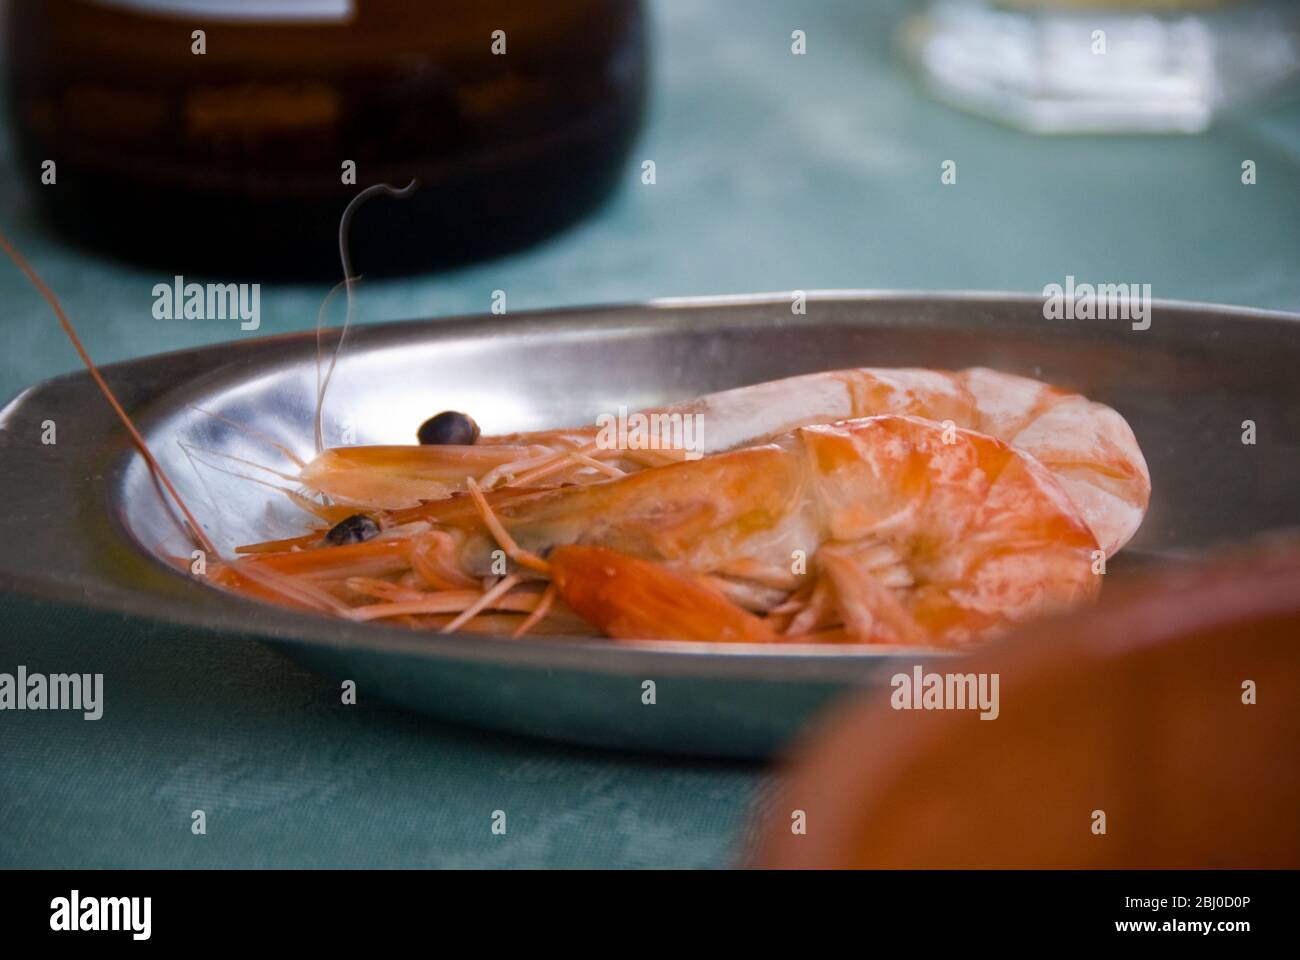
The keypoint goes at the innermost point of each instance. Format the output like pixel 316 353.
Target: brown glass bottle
pixel 514 115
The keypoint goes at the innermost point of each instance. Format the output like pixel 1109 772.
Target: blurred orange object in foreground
pixel 1134 718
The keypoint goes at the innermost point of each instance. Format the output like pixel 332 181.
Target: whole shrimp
pixel 1088 446
pixel 886 529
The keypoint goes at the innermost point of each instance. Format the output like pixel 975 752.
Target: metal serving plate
pixel 1186 385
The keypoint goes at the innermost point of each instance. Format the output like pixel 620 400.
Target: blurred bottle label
pixel 318 11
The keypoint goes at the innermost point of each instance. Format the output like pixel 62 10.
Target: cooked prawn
pixel 1088 446
pixel 888 529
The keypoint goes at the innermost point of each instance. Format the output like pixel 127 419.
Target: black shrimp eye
pixel 448 427
pixel 357 528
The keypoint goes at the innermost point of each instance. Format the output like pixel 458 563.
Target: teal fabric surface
pixel 288 776
pixel 773 172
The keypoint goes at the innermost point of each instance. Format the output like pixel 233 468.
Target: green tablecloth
pixel 774 172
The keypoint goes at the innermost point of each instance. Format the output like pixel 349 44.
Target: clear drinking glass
pixel 1088 66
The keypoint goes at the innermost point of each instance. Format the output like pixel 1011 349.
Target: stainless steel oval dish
pixel 1186 385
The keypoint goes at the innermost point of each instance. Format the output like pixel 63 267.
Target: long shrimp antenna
pixel 21 262
pixel 320 389
pixel 349 281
